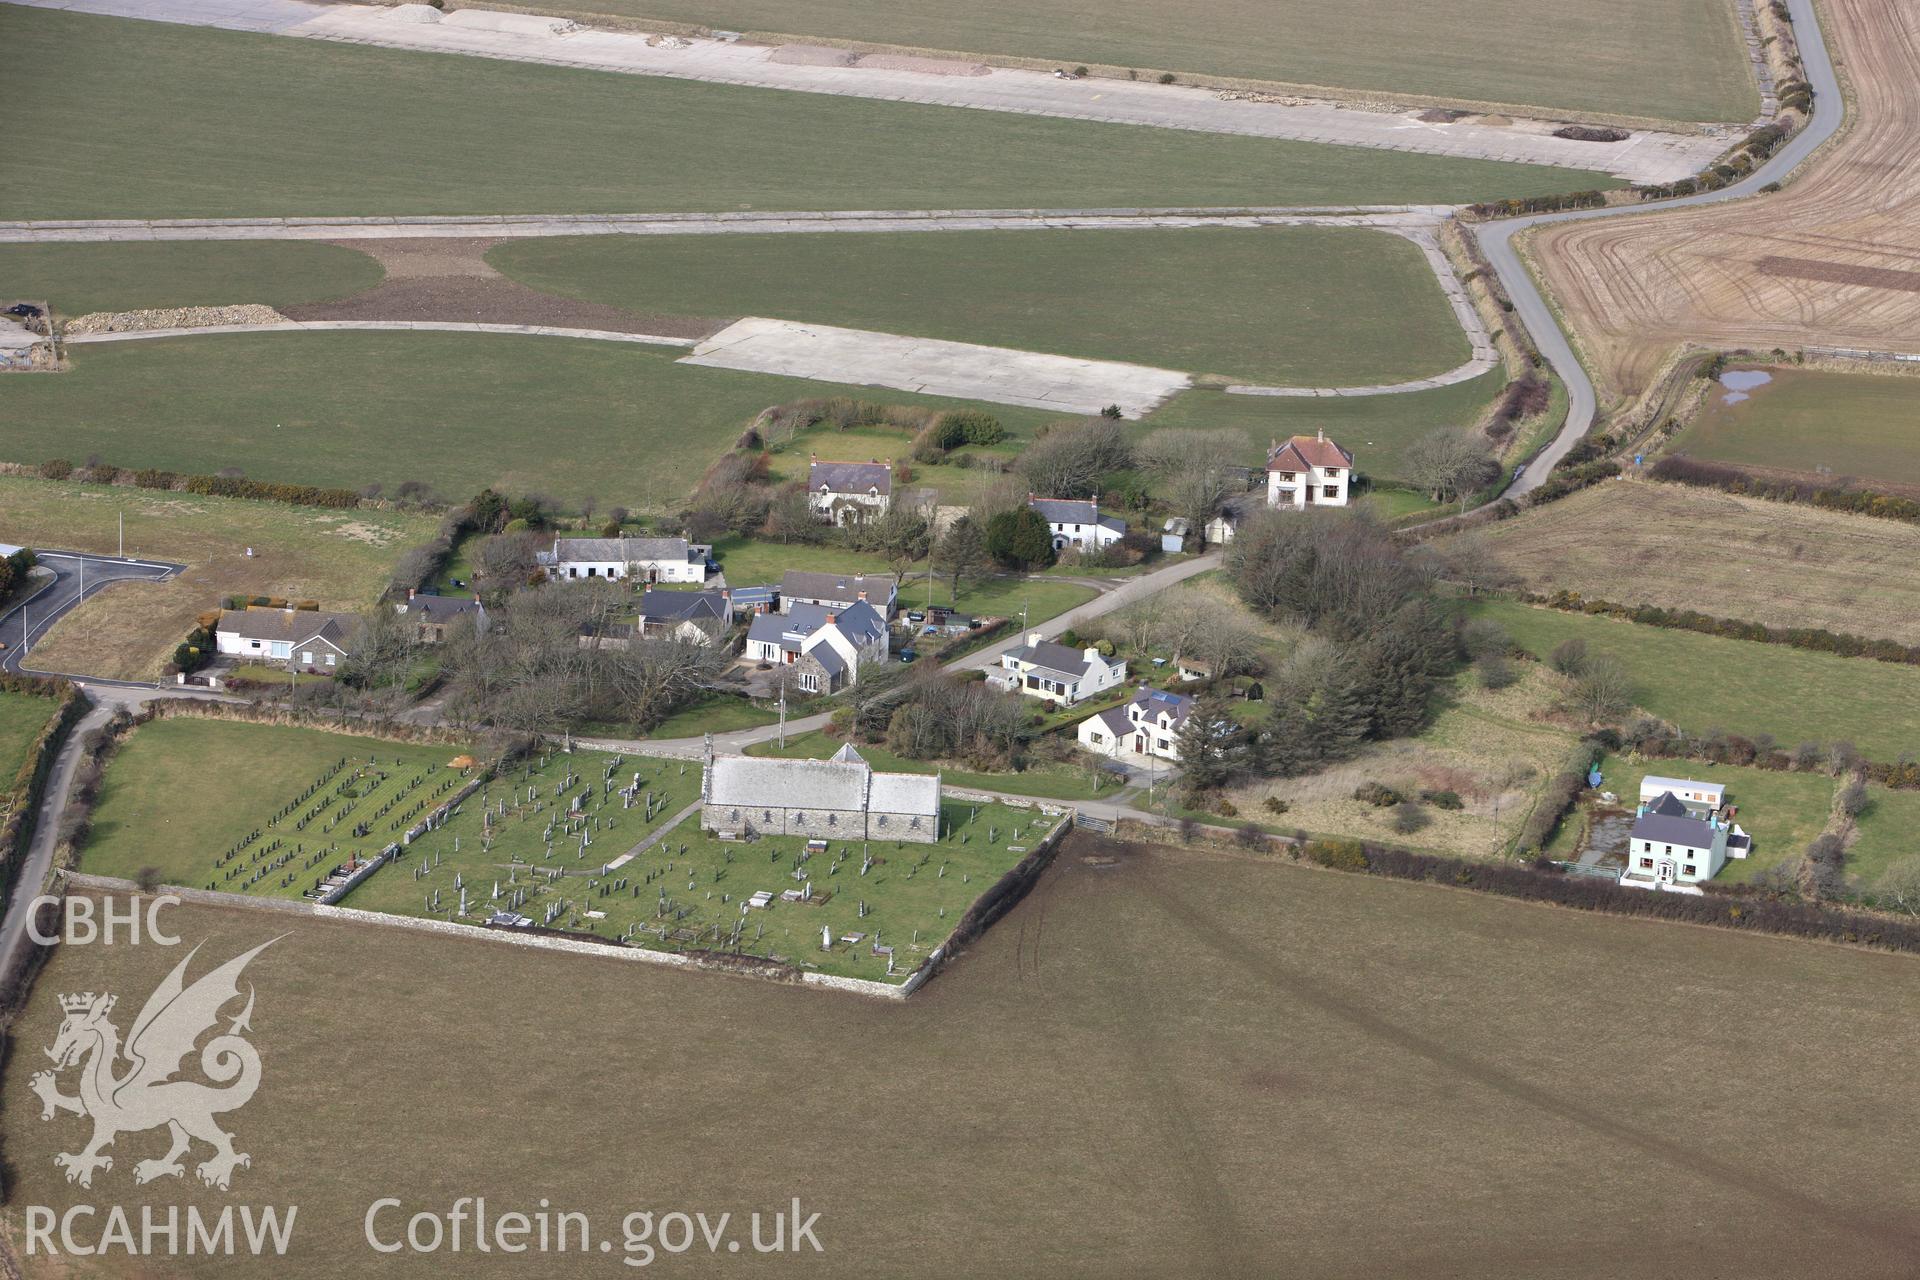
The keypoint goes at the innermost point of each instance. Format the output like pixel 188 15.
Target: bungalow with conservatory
pixel 301 639
pixel 640 559
pixel 848 493
pixel 1042 669
pixel 1309 471
pixel 1675 844
pixel 825 647
pixel 1148 725
pixel 1078 524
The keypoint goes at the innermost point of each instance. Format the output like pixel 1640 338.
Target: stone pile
pixel 171 318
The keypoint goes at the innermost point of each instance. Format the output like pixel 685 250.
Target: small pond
pixel 1739 382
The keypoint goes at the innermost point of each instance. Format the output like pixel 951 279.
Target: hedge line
pixel 298 495
pixel 1746 909
pixel 1818 639
pixel 1730 479
pixel 30 783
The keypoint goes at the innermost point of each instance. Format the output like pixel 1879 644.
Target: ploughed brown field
pixel 1832 260
pixel 1778 563
pixel 1163 1062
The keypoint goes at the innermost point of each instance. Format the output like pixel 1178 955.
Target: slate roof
pixel 1072 511
pixel 844 588
pixel 622 550
pixel 441 608
pixel 829 659
pixel 1691 833
pixel 294 626
pixel 1300 453
pixel 851 477
pixel 683 606
pixel 1052 657
pixel 845 782
pixel 1115 719
pixel 1669 806
pixel 859 622
pixel 1152 702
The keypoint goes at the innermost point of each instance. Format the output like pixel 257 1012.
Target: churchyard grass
pixel 256 808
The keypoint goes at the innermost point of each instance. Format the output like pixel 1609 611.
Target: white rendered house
pixel 1148 725
pixel 641 559
pixel 844 493
pixel 1675 846
pixel 1309 471
pixel 1078 524
pixel 1042 669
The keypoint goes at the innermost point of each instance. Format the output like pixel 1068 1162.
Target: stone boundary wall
pixel 991 904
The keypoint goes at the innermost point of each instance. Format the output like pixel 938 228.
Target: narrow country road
pixel 1496 240
pixel 77 577
pixel 1120 597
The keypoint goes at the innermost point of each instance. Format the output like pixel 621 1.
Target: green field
pixel 688 889
pixel 1377 429
pixel 1829 426
pixel 22 717
pixel 1701 683
pixel 565 417
pixel 388 132
pixel 182 795
pixel 1047 782
pixel 81 278
pixel 1885 834
pixel 1319 306
pixel 714 713
pixel 1164 1062
pixel 1645 57
pixel 1783 812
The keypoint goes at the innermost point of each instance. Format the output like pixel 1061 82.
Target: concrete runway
pixel 962 370
pixel 1644 156
pixel 76 577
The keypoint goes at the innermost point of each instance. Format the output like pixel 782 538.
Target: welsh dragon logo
pixel 145 1095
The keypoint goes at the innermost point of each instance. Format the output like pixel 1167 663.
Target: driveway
pixel 76 578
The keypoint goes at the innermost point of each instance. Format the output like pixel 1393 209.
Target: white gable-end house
pixel 844 493
pixel 1042 669
pixel 640 559
pixel 1309 471
pixel 298 638
pixel 1078 524
pixel 1147 725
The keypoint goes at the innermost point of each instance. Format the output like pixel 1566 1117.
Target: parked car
pixel 908 655
pixel 915 615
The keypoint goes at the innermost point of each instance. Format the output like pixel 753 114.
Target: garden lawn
pixel 1378 429
pixel 1884 834
pixel 82 278
pixel 231 546
pixel 22 718
pixel 1701 683
pixel 566 417
pixel 1819 425
pixel 181 793
pixel 715 713
pixel 383 132
pixel 1681 61
pixel 504 837
pixel 1046 782
pixel 1361 305
pixel 1782 811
